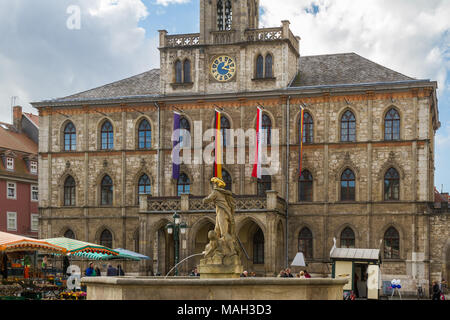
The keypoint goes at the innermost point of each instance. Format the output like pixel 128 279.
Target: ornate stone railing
pixel 166 204
pixel 267 34
pixel 223 37
pixel 182 40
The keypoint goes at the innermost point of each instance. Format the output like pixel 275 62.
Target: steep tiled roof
pixel 12 140
pixel 345 68
pixel 146 83
pixel 34 118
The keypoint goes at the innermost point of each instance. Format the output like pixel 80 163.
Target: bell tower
pixel 227 18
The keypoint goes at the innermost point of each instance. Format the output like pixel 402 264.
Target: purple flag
pixel 176 146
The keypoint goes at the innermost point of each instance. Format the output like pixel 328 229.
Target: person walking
pixel 120 270
pixel 90 270
pixel 111 272
pixel 98 272
pixel 288 273
pixel 436 291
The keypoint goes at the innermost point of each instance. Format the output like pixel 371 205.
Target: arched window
pixel 259 67
pixel 305 242
pixel 392 125
pixel 391 244
pixel 269 66
pixel 144 185
pixel 70 137
pixel 228 14
pixel 220 21
pixel 348 127
pixel 224 15
pixel 106 238
pixel 184 124
pixel 106 191
pixel 308 128
pixel 305 186
pixel 266 129
pixel 264 184
pixel 347 238
pixel 136 241
pixel 187 71
pixel 107 136
pixel 348 185
pixel 69 191
pixel 69 234
pixel 391 185
pixel 226 177
pixel 145 135
pixel 183 184
pixel 224 129
pixel 258 247
pixel 178 72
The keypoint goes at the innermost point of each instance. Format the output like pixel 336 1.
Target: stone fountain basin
pixel 193 288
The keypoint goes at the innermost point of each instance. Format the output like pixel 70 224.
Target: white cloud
pixel 167 2
pixel 411 37
pixel 40 58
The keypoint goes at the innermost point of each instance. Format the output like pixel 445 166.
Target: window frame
pixel 34 215
pixel 147 142
pixel 69 189
pixel 347 187
pixel 308 128
pixel 10 164
pixel 262 184
pixel 14 197
pixel 70 136
pixel 388 194
pixel 34 192
pixel 109 143
pixel 8 215
pixel 33 167
pixel 394 124
pixel 345 238
pixel 258 247
pixel 308 241
pixel 110 192
pixel 346 131
pixel 102 241
pixel 397 239
pixel 306 182
pixel 188 183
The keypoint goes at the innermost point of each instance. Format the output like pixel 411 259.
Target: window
pixel 224 128
pixel 106 238
pixel 264 184
pixel 224 15
pixel 34 193
pixel 11 221
pixel 187 71
pixel 259 67
pixel 391 244
pixel 107 136
pixel 305 186
pixel 11 190
pixel 34 222
pixel 69 234
pixel 183 184
pixel 305 243
pixel 70 137
pixel 178 72
pixel 227 179
pixel 266 129
pixel 33 167
pixel 106 191
pixel 268 69
pixel 391 185
pixel 348 127
pixel 258 247
pixel 347 238
pixel 9 163
pixel 392 125
pixel 136 241
pixel 184 124
pixel 145 135
pixel 308 128
pixel 69 191
pixel 144 185
pixel 348 185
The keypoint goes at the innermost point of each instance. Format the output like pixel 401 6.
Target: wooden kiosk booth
pixel 361 267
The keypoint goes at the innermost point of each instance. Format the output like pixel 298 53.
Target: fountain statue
pixel 221 256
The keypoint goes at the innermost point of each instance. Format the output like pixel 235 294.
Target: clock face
pixel 223 68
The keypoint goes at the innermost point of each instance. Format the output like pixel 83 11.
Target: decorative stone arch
pixel 297 124
pixel 391 163
pixel 358 237
pixel 98 184
pixel 61 135
pixel 135 182
pixel 400 113
pixel 66 228
pixel 296 180
pixel 347 163
pixel 315 236
pixel 136 124
pixel 245 219
pixel 339 119
pixel 196 227
pixel 99 232
pixel 401 234
pixel 174 182
pixel 62 179
pixel 153 229
pixel 99 131
pixel 223 113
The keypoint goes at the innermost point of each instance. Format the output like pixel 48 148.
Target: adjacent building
pixel 19 194
pixel 367 174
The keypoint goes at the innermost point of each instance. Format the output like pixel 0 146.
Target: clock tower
pixel 229 54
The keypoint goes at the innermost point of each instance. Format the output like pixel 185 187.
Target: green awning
pixel 75 246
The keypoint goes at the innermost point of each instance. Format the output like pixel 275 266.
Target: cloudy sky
pixel 42 58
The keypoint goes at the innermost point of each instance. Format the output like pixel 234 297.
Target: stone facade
pixel 141 225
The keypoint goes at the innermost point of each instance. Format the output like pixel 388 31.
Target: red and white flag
pixel 258 153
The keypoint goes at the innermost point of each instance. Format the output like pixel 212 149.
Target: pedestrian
pixel 355 279
pixel 111 272
pixel 436 291
pixel 66 265
pixel 120 270
pixel 244 274
pixel 288 273
pixel 194 273
pixel 252 274
pixel 282 274
pixel 307 275
pixel 98 272
pixel 90 270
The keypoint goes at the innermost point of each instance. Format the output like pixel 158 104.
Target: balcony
pixel 194 204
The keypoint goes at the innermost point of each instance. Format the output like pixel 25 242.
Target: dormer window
pixel 9 163
pixel 33 167
pixel 224 15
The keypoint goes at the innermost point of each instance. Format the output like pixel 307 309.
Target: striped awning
pixel 76 246
pixel 12 242
pixel 102 256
